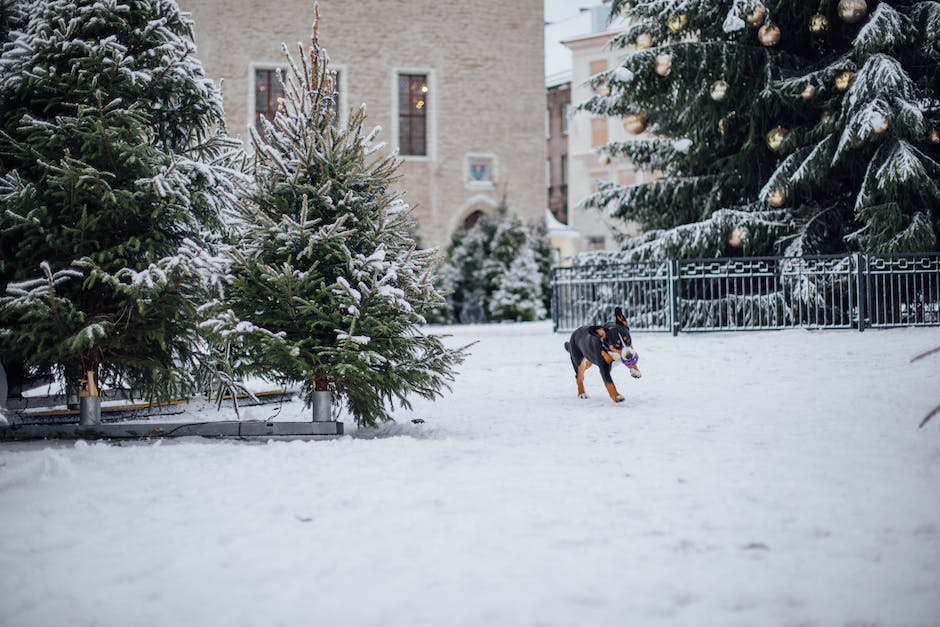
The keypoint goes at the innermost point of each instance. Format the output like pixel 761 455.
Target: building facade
pixel 588 133
pixel 457 88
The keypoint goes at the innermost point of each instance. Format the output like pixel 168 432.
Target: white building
pixel 576 48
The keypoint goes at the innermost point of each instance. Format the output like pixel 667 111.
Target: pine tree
pixel 327 286
pixel 479 262
pixel 518 294
pixel 113 163
pixel 777 126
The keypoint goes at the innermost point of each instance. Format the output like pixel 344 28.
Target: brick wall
pixel 485 60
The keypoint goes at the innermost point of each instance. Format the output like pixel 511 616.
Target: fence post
pixel 861 270
pixel 555 297
pixel 674 296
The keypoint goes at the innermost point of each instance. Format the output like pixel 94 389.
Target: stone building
pixel 590 55
pixel 458 89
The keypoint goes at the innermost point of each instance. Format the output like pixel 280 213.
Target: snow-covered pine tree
pixel 113 167
pixel 479 261
pixel 518 294
pixel 327 286
pixel 778 126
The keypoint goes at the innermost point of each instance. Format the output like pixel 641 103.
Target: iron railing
pixel 747 293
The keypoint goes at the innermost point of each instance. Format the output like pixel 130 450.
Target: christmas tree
pixel 777 127
pixel 113 165
pixel 327 286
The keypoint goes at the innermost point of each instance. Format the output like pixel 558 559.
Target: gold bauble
pixel 775 137
pixel 935 136
pixel 662 64
pixel 776 198
pixel 738 236
pixel 634 123
pixel 844 79
pixel 643 41
pixel 853 11
pixel 756 17
pixel 809 92
pixel 818 23
pixel 719 91
pixel 677 22
pixel 769 34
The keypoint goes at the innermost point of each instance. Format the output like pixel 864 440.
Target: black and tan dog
pixel 602 345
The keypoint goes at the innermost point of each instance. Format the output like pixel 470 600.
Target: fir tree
pixel 480 261
pixel 806 127
pixel 112 168
pixel 327 286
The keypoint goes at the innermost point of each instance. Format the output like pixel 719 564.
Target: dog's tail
pixel 567 347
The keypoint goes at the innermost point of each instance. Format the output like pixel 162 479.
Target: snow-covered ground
pixel 748 479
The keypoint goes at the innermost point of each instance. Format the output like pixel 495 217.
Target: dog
pixel 602 345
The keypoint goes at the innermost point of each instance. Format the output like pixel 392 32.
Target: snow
pixel 766 478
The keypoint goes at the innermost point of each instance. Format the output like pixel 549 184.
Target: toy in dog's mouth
pixel 631 362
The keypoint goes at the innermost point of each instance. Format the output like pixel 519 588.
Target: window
pixel 269 96
pixel 413 94
pixel 596 68
pixel 564 169
pixel 596 242
pixel 598 132
pixel 548 123
pixel 471 220
pixel 565 115
pixel 548 172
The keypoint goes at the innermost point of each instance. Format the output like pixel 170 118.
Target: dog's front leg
pixel 609 382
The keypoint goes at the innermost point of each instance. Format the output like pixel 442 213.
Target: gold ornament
pixel 677 22
pixel 634 123
pixel 853 11
pixel 844 79
pixel 643 41
pixel 663 64
pixel 809 92
pixel 769 34
pixel 738 236
pixel 935 136
pixel 776 198
pixel 775 137
pixel 819 23
pixel 719 91
pixel 756 17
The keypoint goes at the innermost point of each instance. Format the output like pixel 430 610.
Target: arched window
pixel 471 220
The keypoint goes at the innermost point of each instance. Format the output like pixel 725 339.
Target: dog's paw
pixel 619 399
pixel 635 373
pixel 583 395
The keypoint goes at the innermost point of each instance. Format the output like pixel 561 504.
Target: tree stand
pixel 322 401
pixel 89 401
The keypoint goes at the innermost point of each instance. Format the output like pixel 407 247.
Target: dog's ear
pixel 600 332
pixel 619 317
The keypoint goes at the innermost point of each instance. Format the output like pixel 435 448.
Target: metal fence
pixel 729 294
